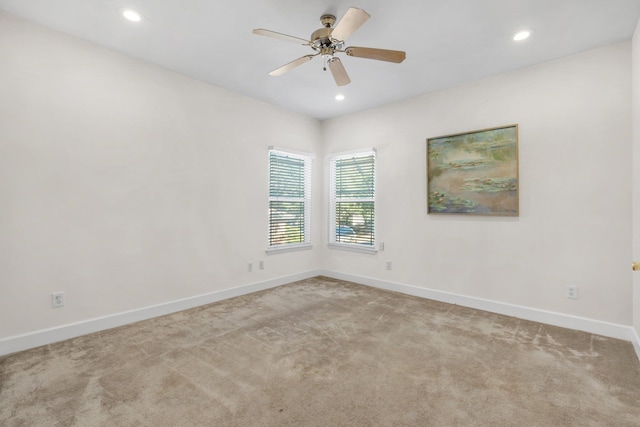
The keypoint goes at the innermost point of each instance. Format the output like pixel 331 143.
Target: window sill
pixel 289 248
pixel 353 248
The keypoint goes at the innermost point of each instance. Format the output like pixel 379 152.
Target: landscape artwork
pixel 474 173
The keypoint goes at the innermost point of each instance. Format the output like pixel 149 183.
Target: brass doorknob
pixel 635 266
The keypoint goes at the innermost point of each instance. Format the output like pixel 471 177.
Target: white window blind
pixel 289 199
pixel 352 199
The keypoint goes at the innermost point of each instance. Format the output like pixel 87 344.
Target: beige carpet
pixel 323 352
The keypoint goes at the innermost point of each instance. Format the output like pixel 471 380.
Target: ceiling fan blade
pixel 339 73
pixel 275 35
pixel 291 65
pixel 350 22
pixel 396 56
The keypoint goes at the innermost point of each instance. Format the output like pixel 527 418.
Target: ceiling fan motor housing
pixel 322 37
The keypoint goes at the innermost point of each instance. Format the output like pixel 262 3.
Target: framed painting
pixel 474 173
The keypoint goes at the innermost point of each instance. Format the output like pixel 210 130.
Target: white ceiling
pixel 448 42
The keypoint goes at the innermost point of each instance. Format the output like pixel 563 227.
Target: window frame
pixel 307 158
pixel 333 200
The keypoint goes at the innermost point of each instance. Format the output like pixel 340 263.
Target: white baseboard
pixel 47 336
pixel 635 339
pixel 60 333
pixel 597 327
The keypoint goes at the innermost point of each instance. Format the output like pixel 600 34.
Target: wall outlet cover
pixel 57 299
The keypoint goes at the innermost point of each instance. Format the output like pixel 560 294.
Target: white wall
pixel 575 174
pixel 636 175
pixel 125 185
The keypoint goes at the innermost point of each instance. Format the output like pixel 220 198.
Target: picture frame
pixel 474 173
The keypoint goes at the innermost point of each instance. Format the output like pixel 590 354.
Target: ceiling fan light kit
pixel 329 40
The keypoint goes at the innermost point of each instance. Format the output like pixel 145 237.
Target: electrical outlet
pixel 381 246
pixel 57 299
pixel 572 292
pixel 389 265
pixel 261 265
pixel 250 267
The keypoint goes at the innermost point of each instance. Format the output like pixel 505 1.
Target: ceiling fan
pixel 329 40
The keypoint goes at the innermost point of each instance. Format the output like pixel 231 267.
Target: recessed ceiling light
pixel 339 97
pixel 521 35
pixel 131 15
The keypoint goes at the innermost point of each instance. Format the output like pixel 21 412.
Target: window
pixel 289 200
pixel 352 200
